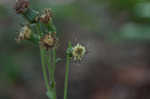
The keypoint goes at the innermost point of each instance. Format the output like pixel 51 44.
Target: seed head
pixel 78 52
pixel 46 16
pixel 24 34
pixel 47 41
pixel 21 6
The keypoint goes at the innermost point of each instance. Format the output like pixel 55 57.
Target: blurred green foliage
pixel 10 69
pixel 134 31
pixel 138 23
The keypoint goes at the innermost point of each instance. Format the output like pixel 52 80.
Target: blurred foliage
pixel 142 10
pixel 138 23
pixel 134 31
pixel 91 15
pixel 10 69
pixel 85 13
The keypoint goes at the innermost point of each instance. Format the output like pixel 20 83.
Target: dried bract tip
pixel 47 41
pixel 78 52
pixel 25 34
pixel 21 6
pixel 46 16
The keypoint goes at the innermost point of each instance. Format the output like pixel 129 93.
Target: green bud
pixel 31 15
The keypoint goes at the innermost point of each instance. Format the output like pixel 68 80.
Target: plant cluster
pixel 41 31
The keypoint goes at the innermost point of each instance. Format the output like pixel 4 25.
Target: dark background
pixel 116 34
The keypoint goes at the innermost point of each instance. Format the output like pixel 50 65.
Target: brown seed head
pixel 21 6
pixel 46 16
pixel 47 41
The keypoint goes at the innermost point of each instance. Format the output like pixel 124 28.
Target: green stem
pixel 54 67
pixel 52 91
pixel 67 73
pixel 42 51
pixel 50 70
pixel 54 61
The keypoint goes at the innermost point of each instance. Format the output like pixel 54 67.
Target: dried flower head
pixel 78 52
pixel 47 41
pixel 21 6
pixel 24 34
pixel 46 16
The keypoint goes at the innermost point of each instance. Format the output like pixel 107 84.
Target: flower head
pixel 78 52
pixel 21 6
pixel 47 41
pixel 24 34
pixel 46 16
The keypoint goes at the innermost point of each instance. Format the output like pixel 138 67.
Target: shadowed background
pixel 115 32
